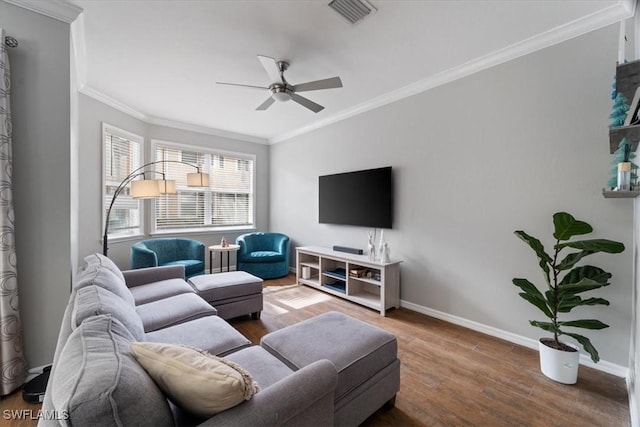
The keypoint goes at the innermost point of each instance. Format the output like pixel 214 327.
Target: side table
pixel 221 249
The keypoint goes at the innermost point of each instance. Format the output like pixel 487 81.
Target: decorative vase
pixel 559 365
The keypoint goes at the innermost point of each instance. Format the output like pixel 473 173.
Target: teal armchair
pixel 265 255
pixel 169 251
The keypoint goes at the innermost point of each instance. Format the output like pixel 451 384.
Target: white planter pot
pixel 560 366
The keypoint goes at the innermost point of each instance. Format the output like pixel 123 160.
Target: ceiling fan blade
pixel 271 67
pixel 331 83
pixel 237 84
pixel 266 104
pixel 316 108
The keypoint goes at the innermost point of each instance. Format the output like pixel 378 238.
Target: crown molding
pixel 56 9
pixel 158 121
pixel 624 9
pixel 206 130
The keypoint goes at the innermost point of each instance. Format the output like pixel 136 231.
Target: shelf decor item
pixel 620 108
pixel 564 285
pixel 371 248
pixel 629 176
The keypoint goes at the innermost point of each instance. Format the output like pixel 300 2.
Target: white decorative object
pixel 385 253
pixel 371 248
pixel 306 272
pixel 381 246
pixel 560 366
pixel 223 242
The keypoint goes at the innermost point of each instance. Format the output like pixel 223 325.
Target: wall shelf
pixel 616 134
pixel 610 194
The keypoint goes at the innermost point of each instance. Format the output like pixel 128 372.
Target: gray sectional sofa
pixel 96 380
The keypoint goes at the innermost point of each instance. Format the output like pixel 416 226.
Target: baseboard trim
pixel 603 365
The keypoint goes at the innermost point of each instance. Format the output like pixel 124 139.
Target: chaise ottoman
pixel 233 294
pixel 365 357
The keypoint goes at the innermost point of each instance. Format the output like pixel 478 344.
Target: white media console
pixel 353 277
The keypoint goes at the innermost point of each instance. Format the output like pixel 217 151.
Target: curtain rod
pixel 10 41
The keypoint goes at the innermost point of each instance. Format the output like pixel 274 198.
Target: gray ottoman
pixel 233 294
pixel 365 357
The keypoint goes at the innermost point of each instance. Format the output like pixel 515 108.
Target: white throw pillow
pixel 194 379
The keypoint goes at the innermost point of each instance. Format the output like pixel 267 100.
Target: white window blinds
pixel 227 202
pixel 122 154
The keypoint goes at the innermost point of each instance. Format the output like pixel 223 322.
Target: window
pixel 122 154
pixel 228 201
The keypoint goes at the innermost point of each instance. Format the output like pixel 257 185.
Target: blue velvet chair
pixel 265 255
pixel 169 251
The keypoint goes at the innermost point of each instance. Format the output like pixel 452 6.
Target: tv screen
pixel 362 198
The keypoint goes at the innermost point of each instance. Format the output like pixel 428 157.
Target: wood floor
pixel 450 376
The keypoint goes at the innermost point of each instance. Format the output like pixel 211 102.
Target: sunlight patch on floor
pixel 297 302
pixel 274 309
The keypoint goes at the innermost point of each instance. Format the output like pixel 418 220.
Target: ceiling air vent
pixel 352 10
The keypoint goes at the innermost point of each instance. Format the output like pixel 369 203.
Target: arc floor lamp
pixel 151 188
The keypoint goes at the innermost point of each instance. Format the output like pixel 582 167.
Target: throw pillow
pixel 194 379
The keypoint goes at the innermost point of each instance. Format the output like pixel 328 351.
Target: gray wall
pixel 92 114
pixel 473 161
pixel 41 133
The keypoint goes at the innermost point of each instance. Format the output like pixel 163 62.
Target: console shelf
pixel 333 272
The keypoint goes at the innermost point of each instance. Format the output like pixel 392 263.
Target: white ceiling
pixel 159 60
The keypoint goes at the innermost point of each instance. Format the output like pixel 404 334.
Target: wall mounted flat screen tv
pixel 362 198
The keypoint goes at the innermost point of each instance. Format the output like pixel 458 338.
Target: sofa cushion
pixel 97 380
pixel 172 311
pixel 209 333
pixel 93 301
pixel 106 279
pixel 263 256
pixel 222 286
pixel 265 368
pixel 155 291
pixel 194 379
pixel 93 261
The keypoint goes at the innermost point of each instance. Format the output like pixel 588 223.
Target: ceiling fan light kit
pixel 280 90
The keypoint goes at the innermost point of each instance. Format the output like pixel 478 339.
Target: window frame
pixel 124 134
pixel 213 152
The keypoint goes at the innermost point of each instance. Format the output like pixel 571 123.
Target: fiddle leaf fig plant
pixel 566 283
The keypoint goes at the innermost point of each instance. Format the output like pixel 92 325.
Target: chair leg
pixel 256 315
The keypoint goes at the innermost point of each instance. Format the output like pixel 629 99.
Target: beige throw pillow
pixel 194 379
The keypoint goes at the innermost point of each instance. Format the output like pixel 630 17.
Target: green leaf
pixel 533 295
pixel 576 288
pixel 538 248
pixel 586 344
pixel 588 271
pixel 584 324
pixel 594 245
pixel 547 326
pixel 567 226
pixel 594 301
pixel 569 303
pixel 572 259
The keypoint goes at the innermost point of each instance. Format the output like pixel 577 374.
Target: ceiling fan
pixel 281 90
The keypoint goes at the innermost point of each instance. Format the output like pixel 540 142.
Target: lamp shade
pixel 197 179
pixel 167 186
pixel 145 189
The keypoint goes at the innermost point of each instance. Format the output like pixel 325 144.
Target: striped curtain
pixel 13 365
